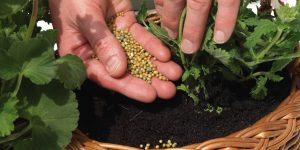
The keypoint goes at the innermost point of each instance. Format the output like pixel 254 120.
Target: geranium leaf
pixel 41 70
pixel 53 115
pixel 8 114
pixel 71 71
pixel 9 7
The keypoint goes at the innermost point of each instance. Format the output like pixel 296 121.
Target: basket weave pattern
pixel 280 130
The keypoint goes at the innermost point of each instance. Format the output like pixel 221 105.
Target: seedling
pixel 261 46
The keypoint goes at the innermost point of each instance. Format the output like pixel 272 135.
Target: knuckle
pixel 192 35
pixel 176 2
pixel 197 5
pixel 101 44
pixel 228 2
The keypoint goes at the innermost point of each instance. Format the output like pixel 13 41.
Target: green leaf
pixel 194 98
pixel 53 115
pixel 220 54
pixel 283 56
pixel 291 40
pixel 8 114
pixel 280 64
pixel 286 13
pixel 183 88
pixel 161 33
pixel 8 66
pixel 259 91
pixel 10 7
pixel 49 35
pixel 23 51
pixel 142 14
pixel 185 75
pixel 262 27
pixel 71 71
pixel 41 70
pixel 295 24
pixel 274 77
pixel 195 72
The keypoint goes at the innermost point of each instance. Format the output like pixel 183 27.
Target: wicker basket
pixel 279 130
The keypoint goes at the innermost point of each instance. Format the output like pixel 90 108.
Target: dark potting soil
pixel 110 117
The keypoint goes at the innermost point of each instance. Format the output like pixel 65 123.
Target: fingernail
pixel 171 34
pixel 220 37
pixel 187 46
pixel 112 64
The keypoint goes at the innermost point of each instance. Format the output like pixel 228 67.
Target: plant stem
pixel 18 85
pixel 179 40
pixel 33 18
pixel 15 136
pixel 2 87
pixel 275 39
pixel 252 76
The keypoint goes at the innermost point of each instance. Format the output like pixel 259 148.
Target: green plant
pixel 261 46
pixel 38 109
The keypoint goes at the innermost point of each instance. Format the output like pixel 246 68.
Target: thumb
pixel 105 45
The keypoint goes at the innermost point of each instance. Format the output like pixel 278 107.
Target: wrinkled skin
pixel 196 20
pixel 83 32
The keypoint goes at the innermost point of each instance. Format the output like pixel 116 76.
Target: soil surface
pixel 110 117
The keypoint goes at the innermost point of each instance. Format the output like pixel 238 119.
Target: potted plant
pixel 38 109
pixel 262 47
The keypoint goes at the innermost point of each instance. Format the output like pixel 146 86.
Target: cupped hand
pixel 83 31
pixel 196 20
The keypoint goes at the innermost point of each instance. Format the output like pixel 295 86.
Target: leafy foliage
pixel 38 109
pixel 258 40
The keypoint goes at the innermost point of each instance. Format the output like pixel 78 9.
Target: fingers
pixel 150 43
pixel 127 85
pixel 105 45
pixel 169 69
pixel 225 20
pixel 171 12
pixel 195 24
pixel 164 89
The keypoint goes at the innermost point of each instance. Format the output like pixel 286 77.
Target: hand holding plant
pixel 197 12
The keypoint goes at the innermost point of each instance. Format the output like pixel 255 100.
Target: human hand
pixel 196 20
pixel 82 31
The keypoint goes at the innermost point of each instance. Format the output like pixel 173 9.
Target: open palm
pixel 83 31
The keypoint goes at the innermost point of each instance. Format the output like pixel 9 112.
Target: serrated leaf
pixel 8 114
pixel 195 72
pixel 280 64
pixel 262 27
pixel 9 7
pixel 71 71
pixel 259 91
pixel 286 13
pixel 53 115
pixel 8 66
pixel 23 51
pixel 295 24
pixel 41 70
pixel 220 54
pixel 194 98
pixel 185 75
pixel 142 14
pixel 183 88
pixel 291 40
pixel 274 77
